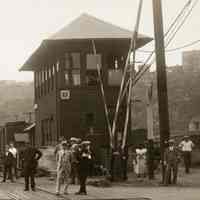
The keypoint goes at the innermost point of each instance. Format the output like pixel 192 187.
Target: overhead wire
pixel 182 23
pixel 184 20
pixel 175 48
pixel 142 69
pixel 183 10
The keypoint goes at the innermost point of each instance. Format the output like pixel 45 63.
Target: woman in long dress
pixel 140 161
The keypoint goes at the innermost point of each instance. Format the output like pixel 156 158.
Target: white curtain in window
pixel 76 77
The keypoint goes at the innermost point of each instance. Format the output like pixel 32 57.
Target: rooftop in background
pixel 85 27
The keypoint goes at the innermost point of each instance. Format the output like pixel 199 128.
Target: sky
pixel 25 23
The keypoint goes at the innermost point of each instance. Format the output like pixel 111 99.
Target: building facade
pixel 191 60
pixel 68 99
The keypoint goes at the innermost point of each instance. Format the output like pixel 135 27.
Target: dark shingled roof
pixel 83 28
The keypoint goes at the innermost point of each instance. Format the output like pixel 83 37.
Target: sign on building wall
pixel 65 94
pixel 21 137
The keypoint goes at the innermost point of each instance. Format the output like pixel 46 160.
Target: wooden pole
pixel 161 77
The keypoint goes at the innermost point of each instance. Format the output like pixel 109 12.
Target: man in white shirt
pixel 14 152
pixel 186 147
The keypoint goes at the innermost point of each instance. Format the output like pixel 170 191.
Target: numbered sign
pixel 65 94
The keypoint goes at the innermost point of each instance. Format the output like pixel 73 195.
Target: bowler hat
pixel 171 141
pixel 87 142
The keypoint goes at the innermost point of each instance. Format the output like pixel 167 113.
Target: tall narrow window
pixel 66 77
pixel 72 69
pixel 67 61
pixel 76 77
pixel 57 66
pixel 76 62
pixel 91 72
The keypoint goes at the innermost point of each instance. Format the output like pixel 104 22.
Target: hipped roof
pixel 85 27
pixel 89 27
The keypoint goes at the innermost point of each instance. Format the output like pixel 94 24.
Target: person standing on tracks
pixel 30 157
pixel 186 147
pixel 59 145
pixel 140 161
pixel 74 161
pixel 171 160
pixel 63 167
pixel 85 159
pixel 7 164
pixel 14 152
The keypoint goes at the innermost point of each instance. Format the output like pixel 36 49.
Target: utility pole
pixel 161 78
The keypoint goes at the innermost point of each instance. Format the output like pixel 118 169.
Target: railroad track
pixel 40 195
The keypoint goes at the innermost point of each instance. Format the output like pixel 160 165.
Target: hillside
pixel 183 96
pixel 16 98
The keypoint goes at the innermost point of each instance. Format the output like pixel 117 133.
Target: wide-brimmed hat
pixel 65 143
pixel 73 139
pixel 87 142
pixel 171 141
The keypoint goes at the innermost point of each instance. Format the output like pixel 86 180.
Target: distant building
pixel 11 132
pixel 194 125
pixel 191 60
pixel 175 69
pixel 68 99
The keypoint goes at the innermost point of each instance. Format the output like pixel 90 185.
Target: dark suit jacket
pixel 30 157
pixel 8 159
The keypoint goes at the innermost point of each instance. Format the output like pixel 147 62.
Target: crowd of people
pixel 74 159
pixel 172 157
pixel 29 157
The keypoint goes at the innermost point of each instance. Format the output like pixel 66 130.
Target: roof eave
pixel 32 61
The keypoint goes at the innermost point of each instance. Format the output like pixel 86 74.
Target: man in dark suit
pixel 85 159
pixel 30 157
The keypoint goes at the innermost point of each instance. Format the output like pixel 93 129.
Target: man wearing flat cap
pixel 84 158
pixel 186 147
pixel 30 157
pixel 171 160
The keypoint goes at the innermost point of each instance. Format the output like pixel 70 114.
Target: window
pixel 46 74
pixel 42 76
pixel 92 77
pixel 114 77
pixel 89 119
pixel 72 69
pixel 76 77
pixel 67 61
pixel 76 61
pixel 66 77
pixel 53 70
pixel 92 61
pixel 49 72
pixel 57 66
